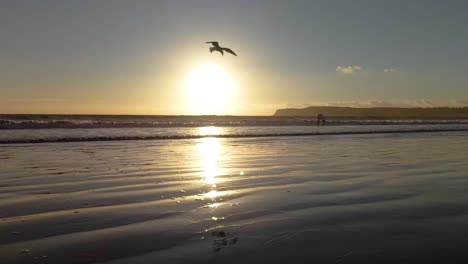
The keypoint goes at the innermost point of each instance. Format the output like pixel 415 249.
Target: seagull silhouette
pixel 216 47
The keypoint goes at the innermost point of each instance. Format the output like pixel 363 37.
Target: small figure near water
pixel 321 119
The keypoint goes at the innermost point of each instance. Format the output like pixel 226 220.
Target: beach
pixel 233 132
pixel 367 198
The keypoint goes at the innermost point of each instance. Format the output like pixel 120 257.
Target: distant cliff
pixel 376 112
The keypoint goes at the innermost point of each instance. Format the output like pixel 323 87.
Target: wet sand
pixel 382 198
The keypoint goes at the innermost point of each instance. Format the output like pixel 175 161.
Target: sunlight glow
pixel 209 89
pixel 212 194
pixel 209 150
pixel 209 131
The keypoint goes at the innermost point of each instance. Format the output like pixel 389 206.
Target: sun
pixel 209 90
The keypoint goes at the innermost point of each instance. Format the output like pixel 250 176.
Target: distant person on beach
pixel 320 119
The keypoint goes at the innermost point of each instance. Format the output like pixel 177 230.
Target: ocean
pixel 113 189
pixel 77 128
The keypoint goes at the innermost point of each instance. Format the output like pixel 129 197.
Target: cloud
pixel 390 70
pixel 379 103
pixel 420 103
pixel 458 103
pixel 36 100
pixel 371 103
pixel 348 69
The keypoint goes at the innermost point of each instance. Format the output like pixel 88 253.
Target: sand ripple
pixel 326 198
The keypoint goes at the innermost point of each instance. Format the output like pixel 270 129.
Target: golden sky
pixel 108 57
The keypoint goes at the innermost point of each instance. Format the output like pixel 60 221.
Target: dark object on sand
pixel 223 239
pixel 219 234
pixel 320 119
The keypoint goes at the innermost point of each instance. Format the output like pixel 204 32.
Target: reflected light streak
pixel 209 150
pixel 214 205
pixel 209 131
pixel 212 194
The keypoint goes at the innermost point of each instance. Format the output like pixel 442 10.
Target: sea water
pixel 67 128
pixel 341 193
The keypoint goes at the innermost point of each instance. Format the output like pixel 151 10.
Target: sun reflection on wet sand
pixel 212 194
pixel 209 131
pixel 209 150
pixel 210 155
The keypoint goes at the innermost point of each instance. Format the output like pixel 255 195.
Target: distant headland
pixel 377 112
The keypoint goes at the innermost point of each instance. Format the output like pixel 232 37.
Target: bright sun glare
pixel 209 89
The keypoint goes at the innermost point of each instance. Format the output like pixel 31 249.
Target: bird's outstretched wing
pixel 229 51
pixel 214 43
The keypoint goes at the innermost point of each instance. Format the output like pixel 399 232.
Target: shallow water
pixel 53 135
pixel 382 198
pixel 82 128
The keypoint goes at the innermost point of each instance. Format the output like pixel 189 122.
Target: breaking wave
pixel 113 134
pixel 90 122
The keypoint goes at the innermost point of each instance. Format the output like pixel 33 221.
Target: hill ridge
pixel 376 112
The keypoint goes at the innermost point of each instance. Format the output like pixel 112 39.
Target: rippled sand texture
pixel 400 198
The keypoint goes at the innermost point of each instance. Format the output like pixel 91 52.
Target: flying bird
pixel 216 47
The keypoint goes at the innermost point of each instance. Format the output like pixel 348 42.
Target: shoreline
pixel 104 139
pixel 327 199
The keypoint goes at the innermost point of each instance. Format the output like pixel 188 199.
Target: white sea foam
pixel 39 129
pixel 103 121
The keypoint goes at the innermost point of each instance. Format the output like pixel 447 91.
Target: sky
pixel 150 57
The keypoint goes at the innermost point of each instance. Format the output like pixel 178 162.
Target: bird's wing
pixel 214 43
pixel 229 51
